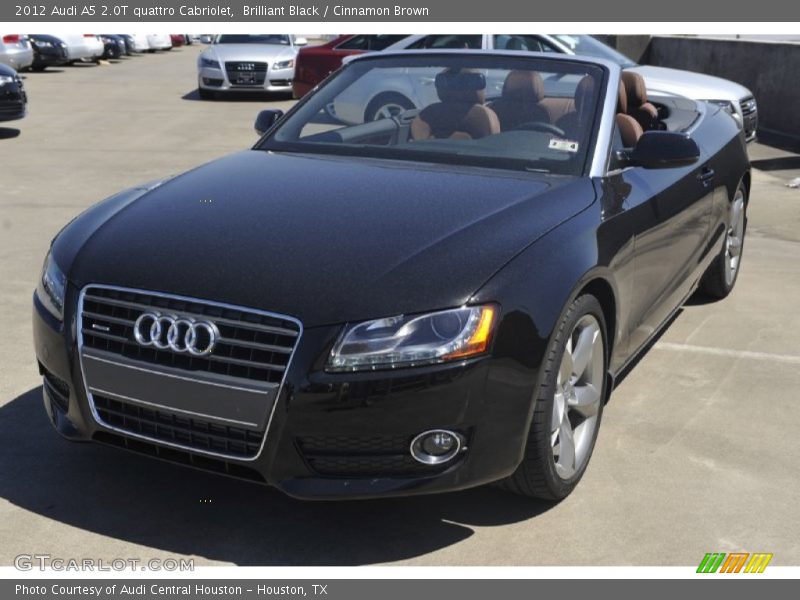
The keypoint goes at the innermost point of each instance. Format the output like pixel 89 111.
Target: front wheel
pixel 719 279
pixel 569 406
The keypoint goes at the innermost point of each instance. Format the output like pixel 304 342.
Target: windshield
pixel 493 111
pixel 259 38
pixel 586 45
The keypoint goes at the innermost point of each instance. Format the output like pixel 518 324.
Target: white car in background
pixel 82 47
pixel 140 43
pixel 16 51
pixel 736 99
pixel 159 41
pixel 247 63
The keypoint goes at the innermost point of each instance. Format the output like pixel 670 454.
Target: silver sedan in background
pixel 16 51
pixel 247 63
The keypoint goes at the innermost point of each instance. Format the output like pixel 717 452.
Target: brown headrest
pixel 524 86
pixel 635 88
pixel 622 99
pixel 583 92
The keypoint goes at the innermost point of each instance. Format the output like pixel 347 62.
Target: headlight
pixel 208 62
pixel 51 288
pixel 4 79
pixel 284 64
pixel 729 108
pixel 413 340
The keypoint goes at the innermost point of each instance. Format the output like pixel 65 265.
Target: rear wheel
pixel 385 106
pixel 569 406
pixel 719 279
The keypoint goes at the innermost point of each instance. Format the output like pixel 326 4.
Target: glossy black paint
pixel 331 240
pixel 49 51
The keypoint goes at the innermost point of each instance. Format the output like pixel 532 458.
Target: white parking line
pixel 784 358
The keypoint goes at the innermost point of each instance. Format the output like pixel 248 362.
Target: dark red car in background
pixel 315 63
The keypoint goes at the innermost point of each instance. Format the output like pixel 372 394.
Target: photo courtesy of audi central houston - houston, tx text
pixel 424 298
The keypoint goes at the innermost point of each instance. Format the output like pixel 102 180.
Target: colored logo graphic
pixel 735 562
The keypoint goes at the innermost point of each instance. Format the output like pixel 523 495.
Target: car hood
pixel 692 85
pixel 323 239
pixel 250 52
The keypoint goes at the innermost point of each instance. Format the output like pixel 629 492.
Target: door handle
pixel 706 176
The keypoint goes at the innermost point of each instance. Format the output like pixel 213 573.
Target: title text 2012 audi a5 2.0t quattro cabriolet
pixel 434 300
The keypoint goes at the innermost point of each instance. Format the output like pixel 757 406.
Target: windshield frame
pixel 268 141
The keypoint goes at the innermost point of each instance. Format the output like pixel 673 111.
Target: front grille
pixel 363 456
pixel 246 73
pixel 749 117
pixel 252 346
pixel 185 431
pixel 748 105
pixel 173 455
pixel 11 108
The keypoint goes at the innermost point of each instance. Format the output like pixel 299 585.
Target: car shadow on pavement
pixel 194 95
pixel 180 511
pixel 7 133
pixel 784 163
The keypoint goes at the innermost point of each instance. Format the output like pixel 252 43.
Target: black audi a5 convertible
pixel 435 299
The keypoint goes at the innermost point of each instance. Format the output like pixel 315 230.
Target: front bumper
pixel 219 80
pixel 331 435
pixel 13 102
pixel 50 56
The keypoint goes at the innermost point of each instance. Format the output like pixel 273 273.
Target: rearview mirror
pixel 266 119
pixel 300 41
pixel 663 149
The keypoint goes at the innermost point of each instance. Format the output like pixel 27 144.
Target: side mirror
pixel 663 149
pixel 300 41
pixel 266 119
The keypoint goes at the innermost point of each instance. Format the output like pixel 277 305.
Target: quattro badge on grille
pixel 179 334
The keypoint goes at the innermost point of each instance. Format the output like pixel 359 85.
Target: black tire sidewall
pixel 581 306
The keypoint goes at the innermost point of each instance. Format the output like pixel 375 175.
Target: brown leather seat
pixel 519 102
pixel 461 113
pixel 577 122
pixel 629 128
pixel 638 107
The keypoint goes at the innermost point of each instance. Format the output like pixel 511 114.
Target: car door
pixel 669 212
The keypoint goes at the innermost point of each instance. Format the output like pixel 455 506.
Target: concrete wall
pixel 771 70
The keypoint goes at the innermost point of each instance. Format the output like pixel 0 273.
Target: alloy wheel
pixel 578 394
pixel 734 238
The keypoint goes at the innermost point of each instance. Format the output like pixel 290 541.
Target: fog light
pixel 436 446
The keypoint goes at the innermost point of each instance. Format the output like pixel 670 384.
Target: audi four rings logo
pixel 179 334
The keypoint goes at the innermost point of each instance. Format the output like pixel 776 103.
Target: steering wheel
pixel 540 126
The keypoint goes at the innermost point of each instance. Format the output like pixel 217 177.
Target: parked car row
pixel 37 52
pixel 314 64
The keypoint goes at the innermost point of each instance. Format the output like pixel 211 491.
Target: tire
pixel 720 278
pixel 38 68
pixel 206 94
pixel 541 474
pixel 387 104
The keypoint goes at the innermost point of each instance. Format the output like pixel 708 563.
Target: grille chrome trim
pixel 132 400
pixel 158 442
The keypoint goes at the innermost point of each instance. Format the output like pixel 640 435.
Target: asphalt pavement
pixel 697 452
